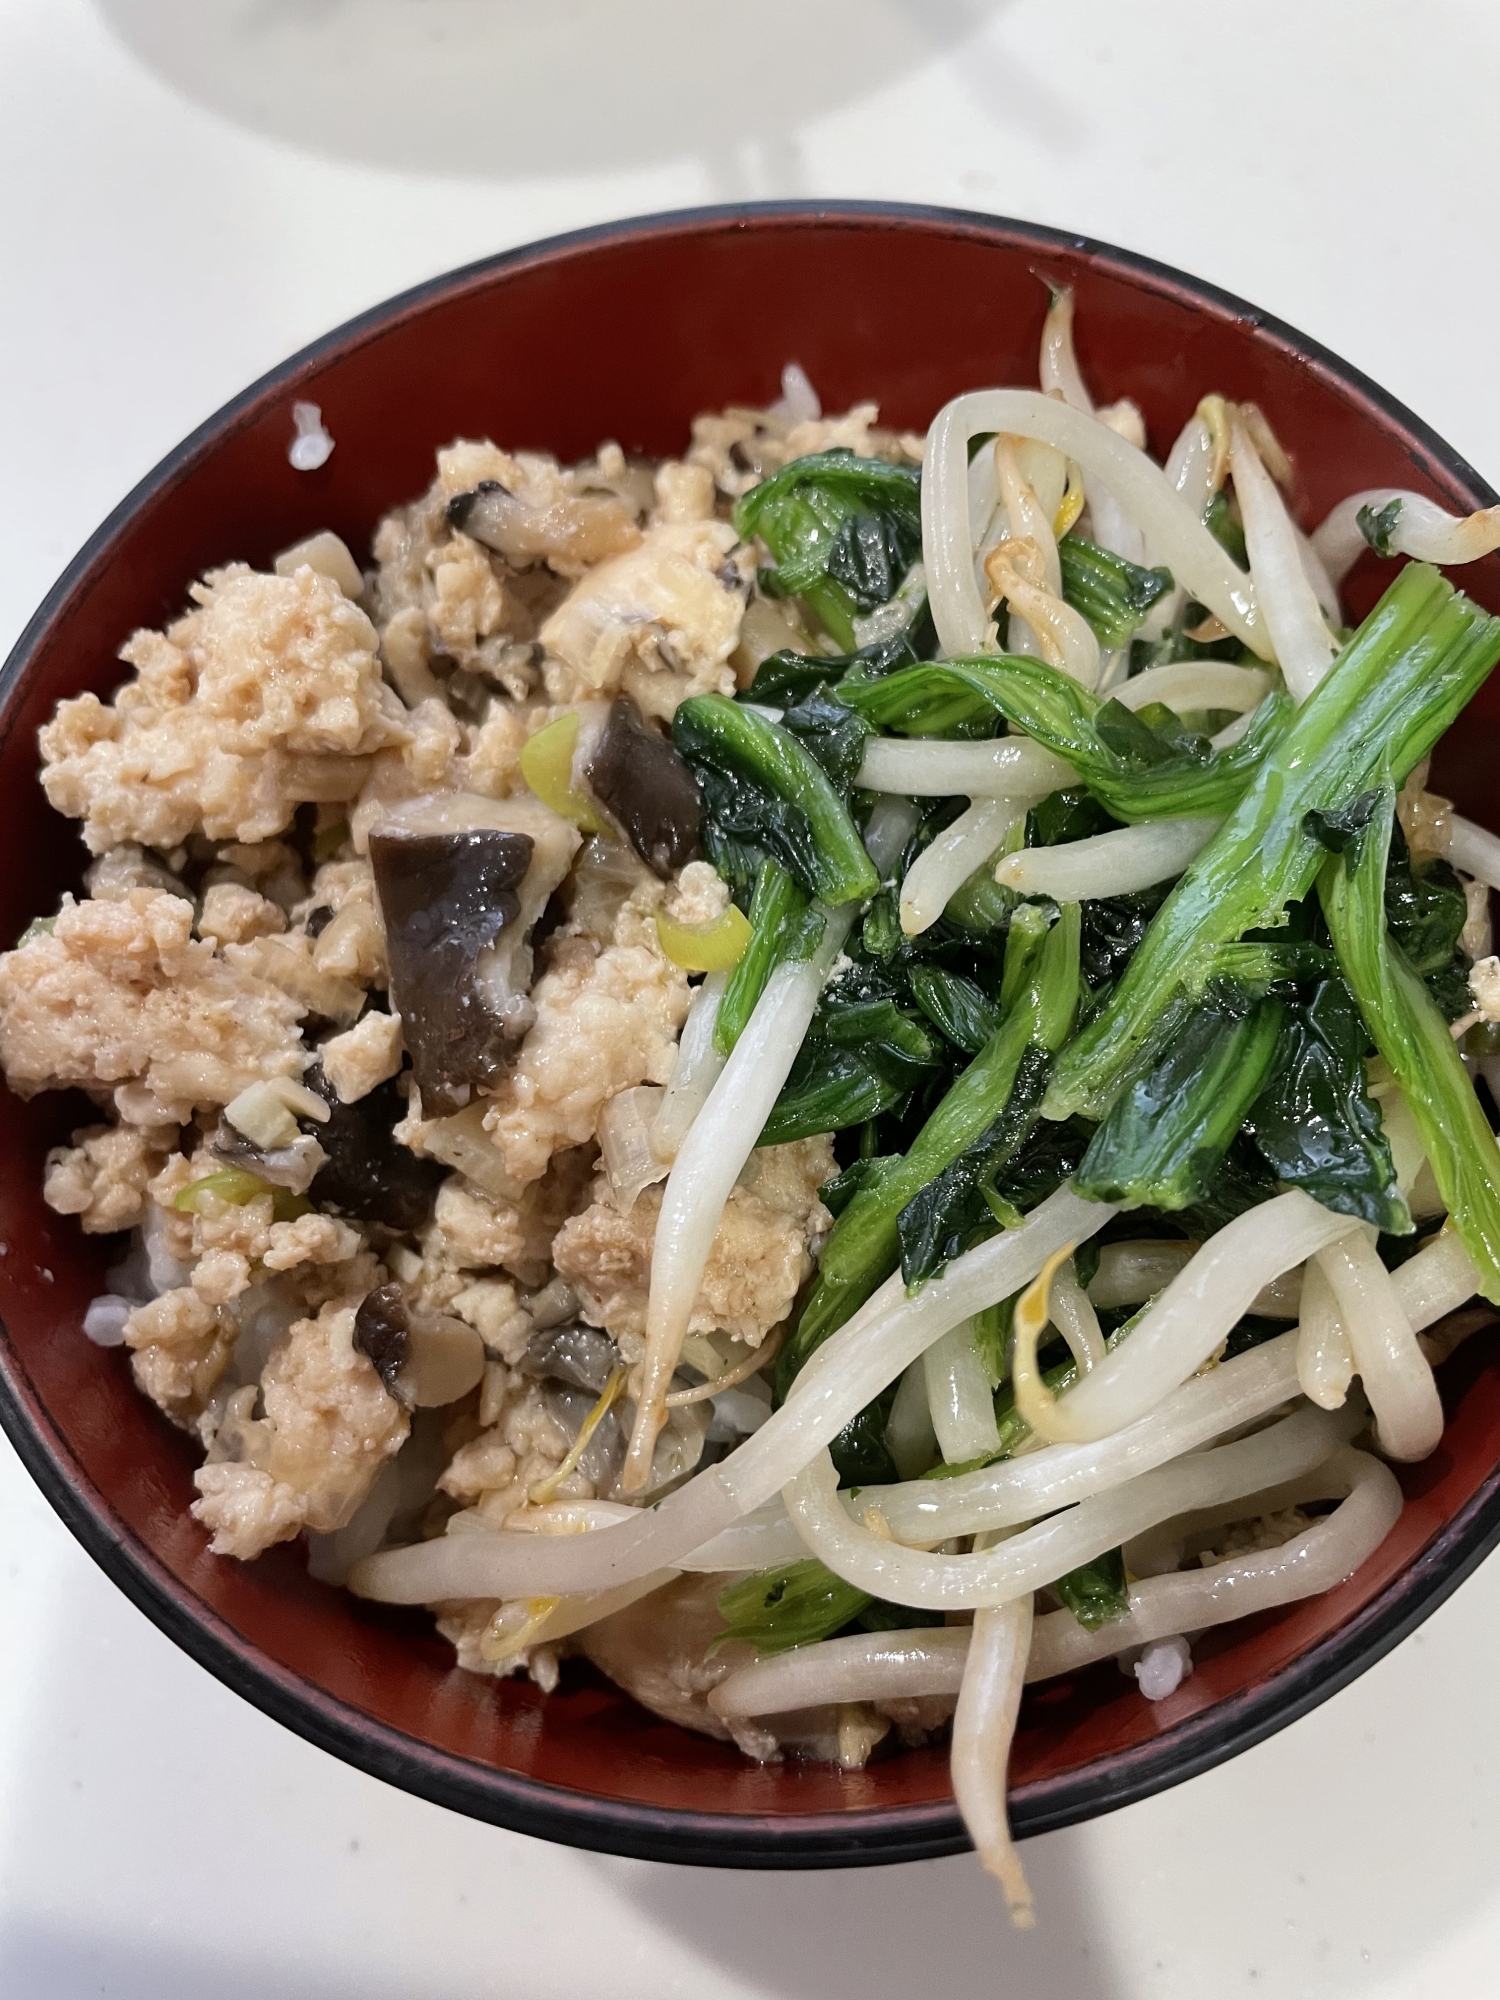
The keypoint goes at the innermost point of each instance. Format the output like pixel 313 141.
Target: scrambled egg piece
pixel 121 992
pixel 268 694
pixel 102 1177
pixel 606 1019
pixel 329 1426
pixel 659 623
pixel 761 1256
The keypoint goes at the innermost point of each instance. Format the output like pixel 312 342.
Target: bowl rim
pixel 860 1836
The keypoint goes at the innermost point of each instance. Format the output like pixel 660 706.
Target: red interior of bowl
pixel 627 338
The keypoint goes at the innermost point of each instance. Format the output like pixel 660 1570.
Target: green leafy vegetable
pixel 1167 1133
pixel 782 927
pixel 777 1609
pixel 1114 595
pixel 1226 530
pixel 865 1244
pixel 1426 909
pixel 954 1210
pixel 1409 1031
pixel 764 787
pixel 1398 683
pixel 843 530
pixel 1096 1593
pixel 783 678
pixel 1378 525
pixel 955 1006
pixel 834 734
pixel 1315 1121
pixel 1130 768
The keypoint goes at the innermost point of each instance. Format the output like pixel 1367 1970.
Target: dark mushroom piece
pixel 581 1356
pixel 461 883
pixel 369 1173
pixel 382 1330
pixel 639 776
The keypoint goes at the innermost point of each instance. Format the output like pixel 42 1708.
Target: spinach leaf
pixel 1221 523
pixel 1063 816
pixel 834 734
pixel 794 1605
pixel 955 1006
pixel 1425 909
pixel 1315 1121
pixel 1166 1133
pixel 860 1454
pixel 953 1211
pixel 829 1092
pixel 762 786
pixel 1114 595
pixel 1378 525
pixel 1112 930
pixel 783 678
pixel 1096 1593
pixel 844 531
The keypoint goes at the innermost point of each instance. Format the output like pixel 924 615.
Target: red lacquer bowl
pixel 626 332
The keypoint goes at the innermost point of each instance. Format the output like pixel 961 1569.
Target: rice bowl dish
pixel 593 1013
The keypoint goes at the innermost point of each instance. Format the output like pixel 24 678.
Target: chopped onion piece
pixel 1106 864
pixel 694 1073
pixel 625 1126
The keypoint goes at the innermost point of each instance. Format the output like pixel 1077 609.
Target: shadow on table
pixel 41 1964
pixel 859 1933
pixel 507 88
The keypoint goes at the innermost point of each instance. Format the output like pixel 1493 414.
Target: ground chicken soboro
pixel 220 994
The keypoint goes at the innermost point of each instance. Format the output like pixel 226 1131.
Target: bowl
pixel 626 332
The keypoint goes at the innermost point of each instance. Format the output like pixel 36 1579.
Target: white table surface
pixel 190 189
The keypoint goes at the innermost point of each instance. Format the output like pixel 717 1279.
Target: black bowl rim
pixel 844 1839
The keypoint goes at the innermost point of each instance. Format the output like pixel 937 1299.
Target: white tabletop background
pixel 190 189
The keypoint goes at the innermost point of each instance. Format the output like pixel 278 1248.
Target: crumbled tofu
pixel 102 1177
pixel 474 1231
pixel 493 1308
pixel 742 447
pixel 1484 987
pixel 526 1444
pixel 605 1021
pixel 363 1056
pixel 761 1253
pixel 266 695
pixel 233 915
pixel 181 1346
pixel 700 896
pixel 659 623
pixel 121 992
pixel 329 1426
